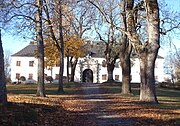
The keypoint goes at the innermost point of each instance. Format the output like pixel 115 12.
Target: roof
pixel 28 51
pixel 95 50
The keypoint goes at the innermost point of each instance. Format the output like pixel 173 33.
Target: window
pixel 31 63
pixel 18 63
pixel 104 76
pixel 17 75
pixel 30 76
pixel 116 77
pixel 104 63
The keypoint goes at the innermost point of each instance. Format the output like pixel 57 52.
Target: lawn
pixel 25 108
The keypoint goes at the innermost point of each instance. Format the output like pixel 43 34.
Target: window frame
pixel 18 63
pixel 31 63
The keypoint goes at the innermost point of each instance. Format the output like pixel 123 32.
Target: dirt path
pixel 97 106
pixel 101 101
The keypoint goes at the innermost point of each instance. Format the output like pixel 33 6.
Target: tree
pixel 146 51
pixel 172 66
pixel 177 64
pixel 146 48
pixel 125 52
pixel 40 49
pixel 3 92
pixel 7 63
pixel 51 54
pixel 56 22
pixel 17 16
pixel 125 46
pixel 80 19
pixel 110 37
pixel 27 15
pixel 74 49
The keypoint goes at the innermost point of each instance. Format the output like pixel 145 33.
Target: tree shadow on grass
pixel 26 114
pixel 88 105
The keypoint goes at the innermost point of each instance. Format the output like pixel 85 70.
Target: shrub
pixel 49 78
pixel 170 86
pixel 22 78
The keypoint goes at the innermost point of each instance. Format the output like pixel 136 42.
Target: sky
pixel 14 44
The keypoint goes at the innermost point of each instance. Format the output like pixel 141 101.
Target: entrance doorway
pixel 87 75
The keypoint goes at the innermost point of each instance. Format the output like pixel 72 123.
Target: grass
pixel 165 96
pixel 26 108
pixel 51 89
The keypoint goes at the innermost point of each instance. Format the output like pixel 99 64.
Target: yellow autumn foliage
pixel 74 44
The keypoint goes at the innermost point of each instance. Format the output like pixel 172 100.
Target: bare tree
pixel 3 92
pixel 56 22
pixel 125 46
pixel 107 33
pixel 147 51
pixel 177 64
pixel 7 63
pixel 148 48
pixel 60 28
pixel 125 52
pixel 80 20
pixel 17 16
pixel 27 15
pixel 172 66
pixel 40 49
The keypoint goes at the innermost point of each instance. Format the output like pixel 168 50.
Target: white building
pixel 89 68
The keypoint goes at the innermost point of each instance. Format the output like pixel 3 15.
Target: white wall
pixel 89 63
pixel 159 70
pixel 24 69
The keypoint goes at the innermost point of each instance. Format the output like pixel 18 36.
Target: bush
pixel 22 78
pixel 178 82
pixel 49 78
pixel 170 86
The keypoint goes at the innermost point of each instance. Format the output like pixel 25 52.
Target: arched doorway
pixel 87 75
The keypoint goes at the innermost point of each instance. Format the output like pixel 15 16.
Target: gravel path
pixel 97 102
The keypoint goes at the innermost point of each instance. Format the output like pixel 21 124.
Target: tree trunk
pixel 40 47
pixel 126 49
pixel 148 57
pixel 61 71
pixel 110 69
pixel 147 51
pixel 3 92
pixel 73 68
pixel 126 74
pixel 147 86
pixel 125 52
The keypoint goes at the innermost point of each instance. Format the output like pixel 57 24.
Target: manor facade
pixel 88 69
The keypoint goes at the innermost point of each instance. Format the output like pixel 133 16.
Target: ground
pixel 88 105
